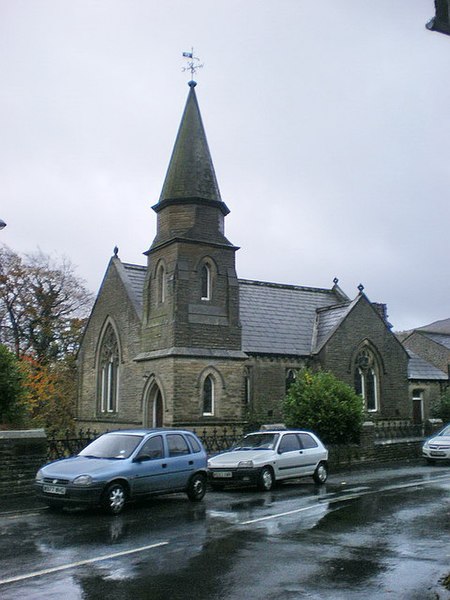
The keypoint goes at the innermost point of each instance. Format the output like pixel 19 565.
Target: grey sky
pixel 328 124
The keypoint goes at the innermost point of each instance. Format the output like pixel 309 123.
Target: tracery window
pixel 109 372
pixel 366 379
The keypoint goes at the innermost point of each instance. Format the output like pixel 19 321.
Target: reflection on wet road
pixel 382 534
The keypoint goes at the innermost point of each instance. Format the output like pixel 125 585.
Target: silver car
pixel 265 457
pixel 438 447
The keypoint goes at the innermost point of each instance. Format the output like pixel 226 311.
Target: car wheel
pixel 321 473
pixel 114 498
pixel 266 479
pixel 196 488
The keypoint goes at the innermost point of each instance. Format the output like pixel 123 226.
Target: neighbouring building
pixel 182 341
pixel 429 366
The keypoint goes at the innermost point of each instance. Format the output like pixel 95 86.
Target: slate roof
pixel 327 321
pixel 419 368
pixel 134 283
pixel 439 338
pixel 280 319
pixel 275 318
pixel 442 326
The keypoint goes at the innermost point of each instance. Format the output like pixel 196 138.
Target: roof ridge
pixel 284 285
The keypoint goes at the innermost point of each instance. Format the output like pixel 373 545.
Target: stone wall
pixel 21 455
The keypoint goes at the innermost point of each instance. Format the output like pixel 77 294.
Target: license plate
pixel 54 489
pixel 223 474
pixel 437 453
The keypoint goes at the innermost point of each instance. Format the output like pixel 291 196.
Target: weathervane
pixel 192 66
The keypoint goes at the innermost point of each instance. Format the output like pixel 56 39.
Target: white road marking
pixel 344 497
pixel 80 563
pixel 277 515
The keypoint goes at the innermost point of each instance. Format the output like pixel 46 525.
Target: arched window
pixel 109 372
pixel 206 282
pixel 366 380
pixel 161 283
pixel 208 396
pixel 290 378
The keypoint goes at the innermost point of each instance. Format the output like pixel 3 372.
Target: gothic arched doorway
pixel 154 408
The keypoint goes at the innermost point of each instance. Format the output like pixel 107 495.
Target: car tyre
pixel 196 488
pixel 114 498
pixel 266 479
pixel 321 473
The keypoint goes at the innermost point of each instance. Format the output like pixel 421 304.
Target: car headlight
pixel 245 464
pixel 82 480
pixel 39 476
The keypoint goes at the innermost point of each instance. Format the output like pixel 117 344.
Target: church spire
pixel 190 175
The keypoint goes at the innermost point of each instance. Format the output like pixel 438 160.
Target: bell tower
pixel 191 297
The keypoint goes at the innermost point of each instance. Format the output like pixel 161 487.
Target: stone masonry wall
pixel 22 453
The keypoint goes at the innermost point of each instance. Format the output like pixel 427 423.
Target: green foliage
pixel 442 409
pixel 324 404
pixel 12 391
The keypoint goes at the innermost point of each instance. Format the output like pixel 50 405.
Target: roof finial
pixel 191 65
pixel 360 288
pixel 116 251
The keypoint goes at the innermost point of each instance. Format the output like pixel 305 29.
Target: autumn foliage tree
pixel 43 308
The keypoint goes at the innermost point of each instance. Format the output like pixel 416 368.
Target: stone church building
pixel 184 342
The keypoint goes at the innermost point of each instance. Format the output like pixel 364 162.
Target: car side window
pixel 289 443
pixel 194 444
pixel 307 441
pixel 153 448
pixel 177 445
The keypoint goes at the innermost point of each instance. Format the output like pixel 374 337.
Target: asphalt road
pixel 366 534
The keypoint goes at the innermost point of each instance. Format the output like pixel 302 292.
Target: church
pixel 183 342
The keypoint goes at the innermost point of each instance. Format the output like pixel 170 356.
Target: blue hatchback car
pixel 125 465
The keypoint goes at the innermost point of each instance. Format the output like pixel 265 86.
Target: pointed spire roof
pixel 190 175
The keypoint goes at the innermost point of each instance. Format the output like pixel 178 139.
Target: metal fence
pixel 69 444
pixel 217 440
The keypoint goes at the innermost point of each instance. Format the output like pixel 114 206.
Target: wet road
pixel 380 534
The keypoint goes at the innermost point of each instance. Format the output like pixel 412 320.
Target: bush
pixel 442 409
pixel 324 404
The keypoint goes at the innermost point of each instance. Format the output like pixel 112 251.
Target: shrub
pixel 324 404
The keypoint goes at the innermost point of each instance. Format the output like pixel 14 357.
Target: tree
pixel 43 309
pixel 329 407
pixel 43 305
pixel 12 391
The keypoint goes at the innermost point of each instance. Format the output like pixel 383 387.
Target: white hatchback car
pixel 438 447
pixel 265 457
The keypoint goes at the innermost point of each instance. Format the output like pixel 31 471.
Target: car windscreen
pixel 445 431
pixel 112 445
pixel 255 441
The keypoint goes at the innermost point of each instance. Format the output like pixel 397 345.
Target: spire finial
pixel 192 66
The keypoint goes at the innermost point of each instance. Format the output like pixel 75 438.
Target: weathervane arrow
pixel 193 63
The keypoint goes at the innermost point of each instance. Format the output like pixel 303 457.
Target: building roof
pixel 280 319
pixel 275 318
pixel 327 321
pixel 420 369
pixel 442 326
pixel 438 338
pixel 191 172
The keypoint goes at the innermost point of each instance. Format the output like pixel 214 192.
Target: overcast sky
pixel 328 124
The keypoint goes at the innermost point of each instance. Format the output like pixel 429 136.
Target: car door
pixel 311 455
pixel 150 467
pixel 179 461
pixel 289 459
